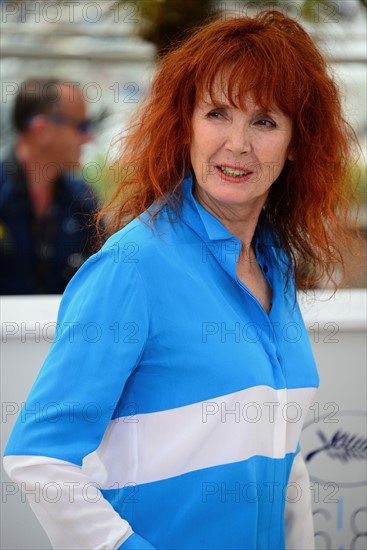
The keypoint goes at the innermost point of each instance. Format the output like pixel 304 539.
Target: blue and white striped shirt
pixel 173 391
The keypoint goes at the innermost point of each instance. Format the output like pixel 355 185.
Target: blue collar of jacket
pixel 198 218
pixel 217 238
pixel 209 227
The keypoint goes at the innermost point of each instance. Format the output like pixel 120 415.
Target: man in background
pixel 45 208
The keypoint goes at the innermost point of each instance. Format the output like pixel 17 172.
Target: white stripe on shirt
pixel 258 421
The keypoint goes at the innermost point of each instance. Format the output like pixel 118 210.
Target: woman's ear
pixel 290 155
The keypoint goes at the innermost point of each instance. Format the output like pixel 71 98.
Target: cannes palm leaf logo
pixel 342 446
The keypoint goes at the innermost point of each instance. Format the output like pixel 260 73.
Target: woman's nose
pixel 239 139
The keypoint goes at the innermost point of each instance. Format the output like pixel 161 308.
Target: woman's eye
pixel 214 114
pixel 266 122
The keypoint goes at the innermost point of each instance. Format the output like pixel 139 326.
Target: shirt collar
pixel 209 228
pixel 198 218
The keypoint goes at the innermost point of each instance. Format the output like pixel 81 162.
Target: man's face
pixel 65 137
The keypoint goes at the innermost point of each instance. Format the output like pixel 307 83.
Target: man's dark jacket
pixel 41 256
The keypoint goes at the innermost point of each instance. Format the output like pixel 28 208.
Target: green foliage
pixel 166 22
pixel 105 175
pixel 322 11
pixel 359 177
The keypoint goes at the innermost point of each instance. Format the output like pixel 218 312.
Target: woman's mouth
pixel 233 174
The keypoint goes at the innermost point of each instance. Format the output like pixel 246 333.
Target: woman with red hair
pixel 180 394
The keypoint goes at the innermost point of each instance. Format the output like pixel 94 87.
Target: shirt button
pixel 265 267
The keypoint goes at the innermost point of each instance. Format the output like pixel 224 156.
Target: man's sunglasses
pixel 82 126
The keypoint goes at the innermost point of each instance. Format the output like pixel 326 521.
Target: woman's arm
pixel 71 510
pixel 298 514
pixel 72 402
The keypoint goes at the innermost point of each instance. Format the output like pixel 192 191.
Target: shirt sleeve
pixel 298 511
pixel 73 399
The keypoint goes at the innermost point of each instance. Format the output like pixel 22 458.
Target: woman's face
pixel 237 155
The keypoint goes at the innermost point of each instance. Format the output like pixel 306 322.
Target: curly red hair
pixel 272 57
